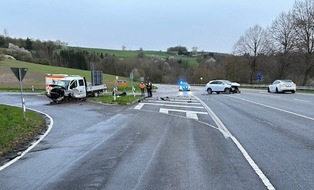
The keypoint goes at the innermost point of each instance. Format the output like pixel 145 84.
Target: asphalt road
pixel 175 140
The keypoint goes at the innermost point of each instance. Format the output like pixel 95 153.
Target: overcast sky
pixel 209 25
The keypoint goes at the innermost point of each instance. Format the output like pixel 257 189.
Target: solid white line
pixel 279 109
pixel 41 137
pixel 257 170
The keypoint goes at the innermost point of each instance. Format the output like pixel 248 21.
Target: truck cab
pixel 75 86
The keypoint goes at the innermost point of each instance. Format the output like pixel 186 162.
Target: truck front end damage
pixel 56 93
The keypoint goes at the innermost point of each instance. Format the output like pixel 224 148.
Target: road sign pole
pixel 22 99
pixel 20 73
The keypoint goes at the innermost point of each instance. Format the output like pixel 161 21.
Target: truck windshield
pixel 64 83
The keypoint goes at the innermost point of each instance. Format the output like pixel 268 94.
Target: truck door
pixel 78 88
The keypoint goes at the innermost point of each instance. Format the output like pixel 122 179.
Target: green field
pixel 124 54
pixel 35 76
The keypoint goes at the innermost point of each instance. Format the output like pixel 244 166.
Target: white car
pixel 222 86
pixel 285 85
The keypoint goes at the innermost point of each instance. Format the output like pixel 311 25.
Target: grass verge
pixel 122 100
pixel 17 132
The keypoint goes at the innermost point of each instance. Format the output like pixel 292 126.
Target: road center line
pixel 279 109
pixel 302 100
pixel 222 127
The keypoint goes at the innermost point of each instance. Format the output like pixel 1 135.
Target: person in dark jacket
pixel 149 88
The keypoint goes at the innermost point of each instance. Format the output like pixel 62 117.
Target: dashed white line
pixel 302 100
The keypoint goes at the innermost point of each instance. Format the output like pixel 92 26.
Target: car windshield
pixel 226 81
pixel 183 84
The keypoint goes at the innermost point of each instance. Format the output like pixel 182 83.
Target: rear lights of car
pixel 282 85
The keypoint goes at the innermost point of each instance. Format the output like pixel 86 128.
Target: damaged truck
pixel 61 87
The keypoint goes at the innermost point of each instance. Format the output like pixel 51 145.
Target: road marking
pixel 223 128
pixel 279 109
pixel 179 102
pixel 140 105
pixel 302 100
pixel 189 114
pixel 33 144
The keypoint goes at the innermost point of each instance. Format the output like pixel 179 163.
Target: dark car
pixel 184 86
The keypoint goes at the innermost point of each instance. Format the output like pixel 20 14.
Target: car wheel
pixel 277 90
pixel 268 90
pixel 292 91
pixel 227 90
pixel 209 90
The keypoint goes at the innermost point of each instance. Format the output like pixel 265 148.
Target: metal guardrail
pixel 266 85
pixel 263 86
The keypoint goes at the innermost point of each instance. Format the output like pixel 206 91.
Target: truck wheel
pixel 96 94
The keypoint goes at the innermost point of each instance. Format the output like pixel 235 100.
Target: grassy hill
pixel 35 75
pixel 124 54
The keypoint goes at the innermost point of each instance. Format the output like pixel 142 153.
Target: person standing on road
pixel 142 87
pixel 149 87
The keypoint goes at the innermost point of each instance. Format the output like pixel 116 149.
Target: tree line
pixel 285 49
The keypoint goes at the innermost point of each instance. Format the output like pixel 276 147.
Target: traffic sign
pixel 259 76
pixel 19 72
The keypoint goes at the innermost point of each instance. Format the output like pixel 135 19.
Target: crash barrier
pixel 265 86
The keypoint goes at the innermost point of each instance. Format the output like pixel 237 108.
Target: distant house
pixel 211 60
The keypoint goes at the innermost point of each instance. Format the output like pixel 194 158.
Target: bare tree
pixel 303 18
pixel 194 49
pixel 281 34
pixel 252 44
pixel 6 34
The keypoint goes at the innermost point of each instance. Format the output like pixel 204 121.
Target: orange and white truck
pixel 65 87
